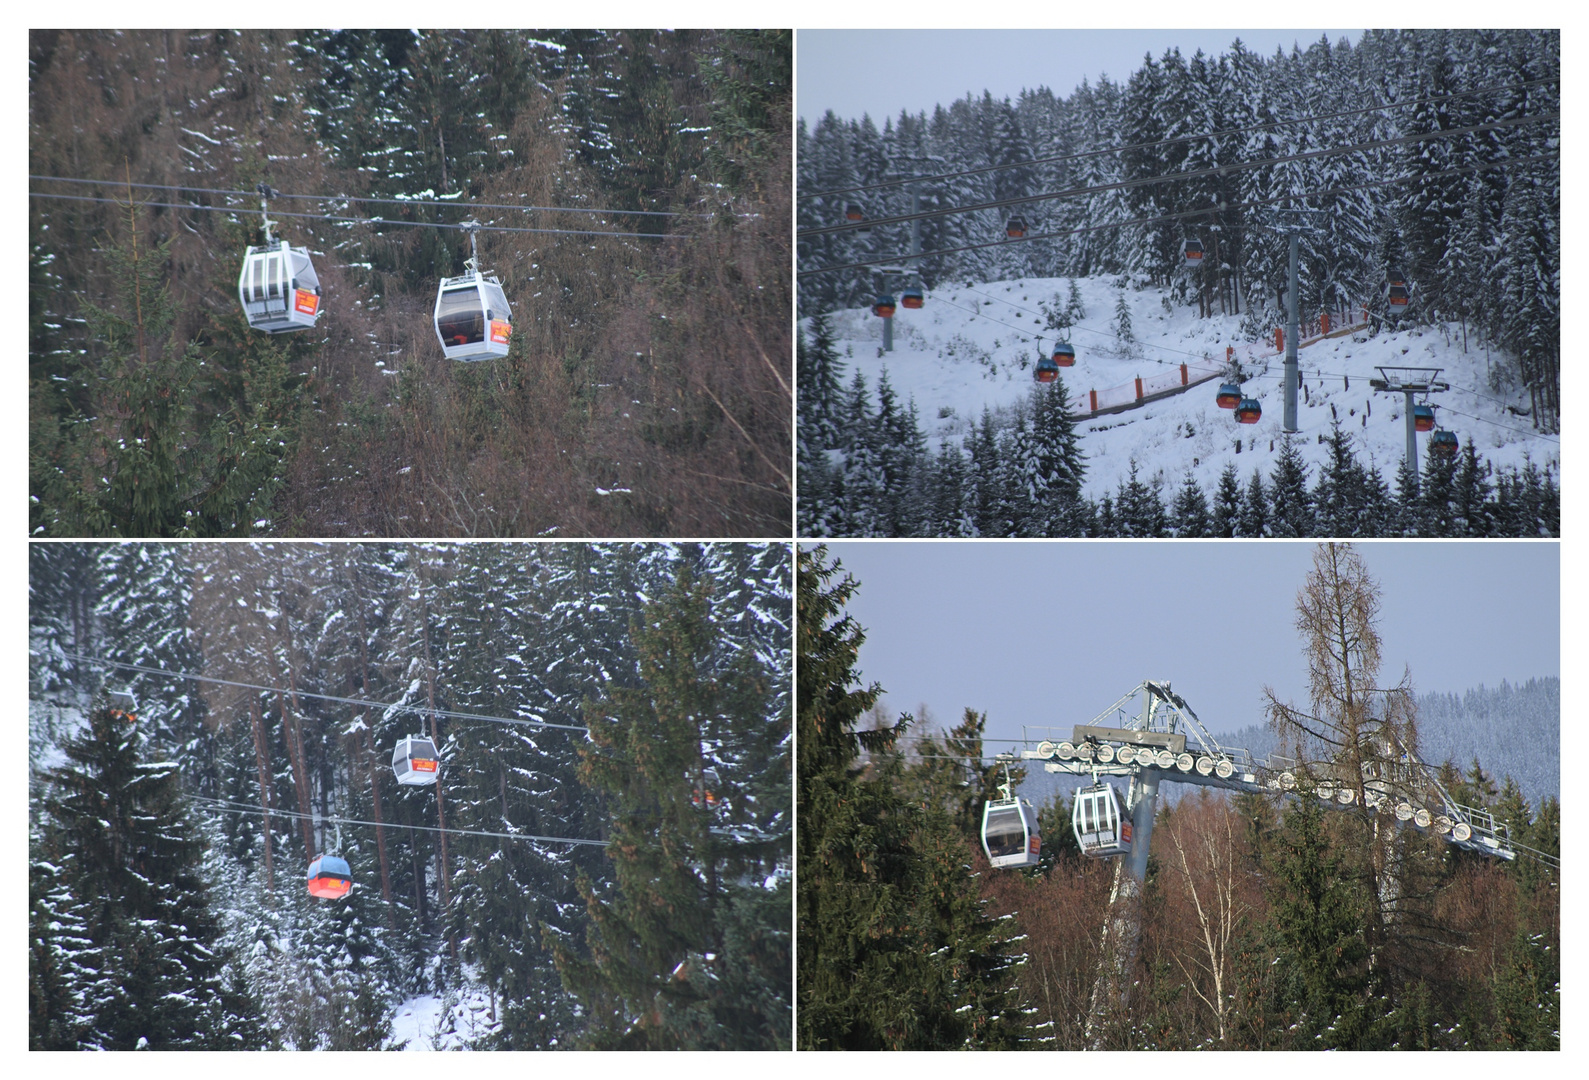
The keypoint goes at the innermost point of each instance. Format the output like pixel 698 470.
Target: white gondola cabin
pixel 278 288
pixel 473 318
pixel 1098 817
pixel 415 761
pixel 1010 833
pixel 329 877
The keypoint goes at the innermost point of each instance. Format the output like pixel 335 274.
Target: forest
pixel 604 861
pixel 633 194
pixel 1428 156
pixel 866 469
pixel 1263 922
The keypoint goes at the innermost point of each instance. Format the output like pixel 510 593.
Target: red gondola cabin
pixel 1248 411
pixel 329 877
pixel 1064 354
pixel 884 308
pixel 1229 396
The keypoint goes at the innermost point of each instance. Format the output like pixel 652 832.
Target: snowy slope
pixel 973 346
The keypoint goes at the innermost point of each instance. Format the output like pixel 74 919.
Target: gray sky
pixel 1052 633
pixel 880 72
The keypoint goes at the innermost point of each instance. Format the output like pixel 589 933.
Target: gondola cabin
pixel 473 319
pixel 1015 229
pixel 1229 396
pixel 1064 354
pixel 1010 834
pixel 1099 819
pixel 278 288
pixel 329 877
pixel 1192 253
pixel 1443 443
pixel 415 761
pixel 1248 411
pixel 911 298
pixel 1047 371
pixel 1423 418
pixel 853 212
pixel 1397 298
pixel 884 308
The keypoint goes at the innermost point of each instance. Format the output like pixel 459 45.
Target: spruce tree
pixel 894 949
pixel 1291 512
pixel 1191 510
pixel 1226 520
pixel 687 948
pixel 120 828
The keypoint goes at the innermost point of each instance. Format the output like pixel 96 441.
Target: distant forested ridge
pixel 1450 176
pixel 634 187
pixel 676 660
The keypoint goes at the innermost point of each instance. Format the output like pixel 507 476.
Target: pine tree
pixel 133 857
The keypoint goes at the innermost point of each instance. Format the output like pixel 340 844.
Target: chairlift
pixel 1099 819
pixel 1229 395
pixel 1248 411
pixel 415 761
pixel 1192 253
pixel 911 298
pixel 473 318
pixel 1064 354
pixel 329 877
pixel 1010 833
pixel 884 307
pixel 1443 443
pixel 1015 229
pixel 1047 370
pixel 1423 418
pixel 278 287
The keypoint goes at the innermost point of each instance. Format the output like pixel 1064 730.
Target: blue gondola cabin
pixel 1229 396
pixel 1047 371
pixel 1248 411
pixel 329 877
pixel 1423 418
pixel 884 308
pixel 1064 354
pixel 1015 229
pixel 1443 443
pixel 911 298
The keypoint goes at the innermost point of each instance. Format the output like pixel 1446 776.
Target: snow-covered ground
pixel 429 1022
pixel 974 346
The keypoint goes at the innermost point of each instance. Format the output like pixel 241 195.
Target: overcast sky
pixel 1052 633
pixel 880 72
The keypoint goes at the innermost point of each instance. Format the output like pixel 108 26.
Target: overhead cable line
pixel 371 198
pixel 1159 218
pixel 356 220
pixel 451 714
pixel 1166 178
pixel 228 806
pixel 1172 141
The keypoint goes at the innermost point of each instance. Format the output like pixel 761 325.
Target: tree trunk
pixel 262 763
